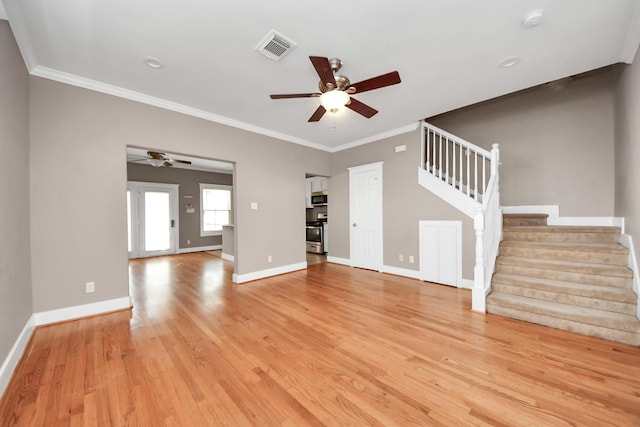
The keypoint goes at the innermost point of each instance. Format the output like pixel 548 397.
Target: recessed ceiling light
pixel 510 62
pixel 533 19
pixel 152 62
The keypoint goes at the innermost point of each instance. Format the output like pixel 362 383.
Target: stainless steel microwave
pixel 319 198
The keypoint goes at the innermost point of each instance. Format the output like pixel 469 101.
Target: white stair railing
pixel 455 161
pixel 471 178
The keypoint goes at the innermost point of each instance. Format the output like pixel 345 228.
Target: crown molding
pixel 74 80
pixel 377 137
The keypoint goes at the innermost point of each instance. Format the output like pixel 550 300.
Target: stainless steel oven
pixel 315 237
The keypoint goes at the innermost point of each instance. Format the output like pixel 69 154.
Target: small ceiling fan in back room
pixel 336 90
pixel 157 159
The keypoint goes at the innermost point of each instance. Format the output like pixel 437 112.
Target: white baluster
pixel 440 158
pixel 475 174
pixel 460 171
pixel 468 173
pixel 453 157
pixel 484 174
pixel 427 149
pixel 446 148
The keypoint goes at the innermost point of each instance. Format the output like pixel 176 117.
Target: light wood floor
pixel 331 345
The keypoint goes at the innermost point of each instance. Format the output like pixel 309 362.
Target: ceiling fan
pixel 336 90
pixel 157 159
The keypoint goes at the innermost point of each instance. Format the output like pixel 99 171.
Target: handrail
pixel 463 166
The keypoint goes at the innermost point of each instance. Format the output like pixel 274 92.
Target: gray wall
pixel 556 146
pixel 15 276
pixel 404 201
pixel 78 183
pixel 627 150
pixel 189 181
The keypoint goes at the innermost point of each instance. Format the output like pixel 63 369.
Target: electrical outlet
pixel 410 259
pixel 188 242
pixel 90 287
pixel 401 257
pixel 269 258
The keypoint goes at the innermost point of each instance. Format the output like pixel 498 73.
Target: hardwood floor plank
pixel 330 345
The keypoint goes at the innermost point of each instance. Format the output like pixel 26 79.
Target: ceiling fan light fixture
pixel 333 100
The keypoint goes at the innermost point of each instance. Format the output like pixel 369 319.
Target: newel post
pixel 477 293
pixel 495 159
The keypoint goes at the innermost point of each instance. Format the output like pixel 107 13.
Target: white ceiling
pixel 448 54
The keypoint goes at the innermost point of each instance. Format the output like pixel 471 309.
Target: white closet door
pixel 441 252
pixel 365 216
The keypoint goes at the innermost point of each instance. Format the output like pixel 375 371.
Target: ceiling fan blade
pixel 295 95
pixel 323 68
pixel 361 108
pixel 317 115
pixel 186 162
pixel 155 155
pixel 388 79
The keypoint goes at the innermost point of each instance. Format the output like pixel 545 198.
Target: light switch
pixel 254 206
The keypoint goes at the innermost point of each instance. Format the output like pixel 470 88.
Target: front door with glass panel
pixel 152 219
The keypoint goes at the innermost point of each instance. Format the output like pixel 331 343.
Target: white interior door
pixel 152 219
pixel 365 216
pixel 441 252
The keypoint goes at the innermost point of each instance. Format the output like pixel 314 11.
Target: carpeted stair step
pixel 616 300
pixel 602 324
pixel 518 220
pixel 611 293
pixel 566 271
pixel 562 234
pixel 601 253
pixel 630 338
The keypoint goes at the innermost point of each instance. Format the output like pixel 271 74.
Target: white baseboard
pixel 404 272
pixel 242 278
pixel 227 257
pixel 78 311
pixel 199 249
pixel 337 260
pixel 15 354
pixel 555 219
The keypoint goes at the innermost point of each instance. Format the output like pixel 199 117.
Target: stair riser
pixel 580 301
pixel 610 293
pixel 568 325
pixel 554 267
pixel 578 317
pixel 520 222
pixel 565 276
pixel 558 236
pixel 565 255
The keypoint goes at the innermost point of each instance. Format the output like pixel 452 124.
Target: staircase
pixel 570 278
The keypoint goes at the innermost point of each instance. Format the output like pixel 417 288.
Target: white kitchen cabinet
pixel 307 191
pixel 314 184
pixel 319 183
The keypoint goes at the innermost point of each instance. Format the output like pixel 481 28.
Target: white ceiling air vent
pixel 275 45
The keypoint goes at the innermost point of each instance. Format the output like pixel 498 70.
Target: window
pixel 215 208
